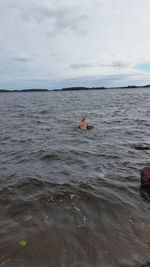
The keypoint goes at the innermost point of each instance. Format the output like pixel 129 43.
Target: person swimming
pixel 84 123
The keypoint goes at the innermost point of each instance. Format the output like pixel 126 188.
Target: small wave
pixel 6 196
pixel 145 193
pixel 40 122
pixel 22 188
pixel 25 140
pixel 30 181
pixel 141 146
pixel 43 111
pixel 52 156
pixel 35 190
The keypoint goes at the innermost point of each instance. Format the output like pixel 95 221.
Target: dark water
pixel 74 196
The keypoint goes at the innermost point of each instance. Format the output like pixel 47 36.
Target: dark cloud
pixel 115 64
pixel 58 19
pixel 80 65
pixel 23 58
pixel 119 64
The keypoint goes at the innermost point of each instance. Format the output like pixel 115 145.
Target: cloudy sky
pixel 55 43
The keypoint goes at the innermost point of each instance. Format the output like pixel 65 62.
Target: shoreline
pixel 71 89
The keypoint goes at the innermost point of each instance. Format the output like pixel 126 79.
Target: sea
pixel 72 198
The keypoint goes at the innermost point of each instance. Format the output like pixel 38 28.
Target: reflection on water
pixel 74 195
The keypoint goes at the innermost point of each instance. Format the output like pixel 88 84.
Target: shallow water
pixel 74 195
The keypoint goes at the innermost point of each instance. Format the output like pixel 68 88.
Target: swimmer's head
pixel 84 118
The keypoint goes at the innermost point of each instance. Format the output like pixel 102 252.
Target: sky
pixel 54 43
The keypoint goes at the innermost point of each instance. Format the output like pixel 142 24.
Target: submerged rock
pixel 145 177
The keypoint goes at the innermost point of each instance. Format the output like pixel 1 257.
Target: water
pixel 74 195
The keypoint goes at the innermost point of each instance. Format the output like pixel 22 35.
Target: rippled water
pixel 74 195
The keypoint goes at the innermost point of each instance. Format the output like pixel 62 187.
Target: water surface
pixel 74 195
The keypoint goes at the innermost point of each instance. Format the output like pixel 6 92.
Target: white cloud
pixel 81 40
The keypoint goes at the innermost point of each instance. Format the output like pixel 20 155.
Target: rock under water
pixel 145 177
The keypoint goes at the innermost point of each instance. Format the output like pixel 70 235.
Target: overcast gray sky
pixel 55 43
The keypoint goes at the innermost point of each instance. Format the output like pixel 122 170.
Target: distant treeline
pixel 71 89
pixel 82 88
